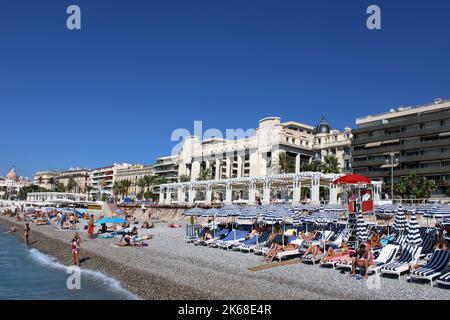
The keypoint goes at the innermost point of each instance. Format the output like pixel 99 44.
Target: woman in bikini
pixel 26 233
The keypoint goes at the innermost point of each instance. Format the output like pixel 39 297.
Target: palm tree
pixel 413 186
pixel 125 186
pixel 205 174
pixel 313 166
pixel 184 178
pixel 331 164
pixel 71 185
pixel 141 183
pixel 40 180
pixel 284 165
pixel 51 181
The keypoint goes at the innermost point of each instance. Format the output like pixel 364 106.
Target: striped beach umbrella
pixel 413 230
pixel 400 223
pixel 361 228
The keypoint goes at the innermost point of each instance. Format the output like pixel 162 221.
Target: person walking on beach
pixel 26 233
pixel 91 227
pixel 75 248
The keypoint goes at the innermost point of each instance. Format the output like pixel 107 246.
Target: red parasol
pixel 353 179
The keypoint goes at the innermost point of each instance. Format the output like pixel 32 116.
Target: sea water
pixel 29 274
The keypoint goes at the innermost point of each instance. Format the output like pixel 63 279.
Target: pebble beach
pixel 169 268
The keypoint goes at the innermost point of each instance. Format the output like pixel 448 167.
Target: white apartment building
pixel 248 169
pixel 102 179
pixel 167 168
pixel 258 155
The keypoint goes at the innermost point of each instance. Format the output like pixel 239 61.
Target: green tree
pixel 125 186
pixel 331 164
pixel 284 164
pixel 413 186
pixel 205 174
pixel 141 184
pixel 71 185
pixel 184 178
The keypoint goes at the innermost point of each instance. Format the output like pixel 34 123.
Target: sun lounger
pixel 261 240
pixel 334 261
pixel 409 257
pixel 444 279
pixel 247 242
pixel 217 236
pixel 438 263
pixel 235 237
pixel 387 255
pixel 264 248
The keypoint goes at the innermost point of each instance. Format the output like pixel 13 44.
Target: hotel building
pixel 12 183
pixel 418 138
pixel 133 174
pixel 102 179
pixel 46 179
pixel 80 176
pixel 253 163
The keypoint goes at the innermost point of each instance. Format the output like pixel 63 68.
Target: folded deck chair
pixel 438 263
pixel 444 279
pixel 260 241
pixel 408 258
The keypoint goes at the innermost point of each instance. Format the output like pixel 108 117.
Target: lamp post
pixel 392 162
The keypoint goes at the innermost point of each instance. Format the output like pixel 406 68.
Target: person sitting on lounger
pixel 279 248
pixel 375 240
pixel 362 259
pixel 207 235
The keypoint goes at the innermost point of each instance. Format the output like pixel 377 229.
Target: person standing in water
pixel 75 248
pixel 26 233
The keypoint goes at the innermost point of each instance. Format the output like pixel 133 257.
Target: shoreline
pixel 143 284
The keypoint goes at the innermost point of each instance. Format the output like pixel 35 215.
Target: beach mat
pixel 275 264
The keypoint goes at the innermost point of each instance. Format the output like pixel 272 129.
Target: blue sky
pixel 115 90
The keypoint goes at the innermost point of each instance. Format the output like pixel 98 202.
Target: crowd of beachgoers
pixel 324 236
pixel 328 236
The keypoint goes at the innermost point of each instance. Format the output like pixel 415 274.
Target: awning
pixel 391 141
pixel 444 134
pixel 373 144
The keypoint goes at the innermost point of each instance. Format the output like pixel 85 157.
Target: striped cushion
pixel 439 260
pixel 445 277
pixel 409 251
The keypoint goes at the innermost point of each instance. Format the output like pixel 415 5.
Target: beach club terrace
pixel 263 189
pixel 56 197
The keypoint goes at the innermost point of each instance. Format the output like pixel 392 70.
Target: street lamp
pixel 391 162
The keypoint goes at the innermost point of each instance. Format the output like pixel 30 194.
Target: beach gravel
pixel 169 268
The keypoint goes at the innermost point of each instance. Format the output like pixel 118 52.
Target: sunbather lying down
pixel 134 241
pixel 316 250
pixel 277 248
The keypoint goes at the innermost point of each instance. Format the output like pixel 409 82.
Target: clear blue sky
pixel 115 90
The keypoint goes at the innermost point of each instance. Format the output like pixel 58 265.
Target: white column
pixel 333 194
pixel 266 192
pixel 218 169
pixel 161 195
pixel 239 168
pixel 252 193
pixel 296 194
pixel 315 190
pixel 297 163
pixel 181 195
pixel 191 195
pixel 228 171
pixel 195 170
pixel 208 194
pixel 168 195
pixel 229 194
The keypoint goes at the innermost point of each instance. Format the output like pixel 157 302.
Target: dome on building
pixel 323 126
pixel 12 175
